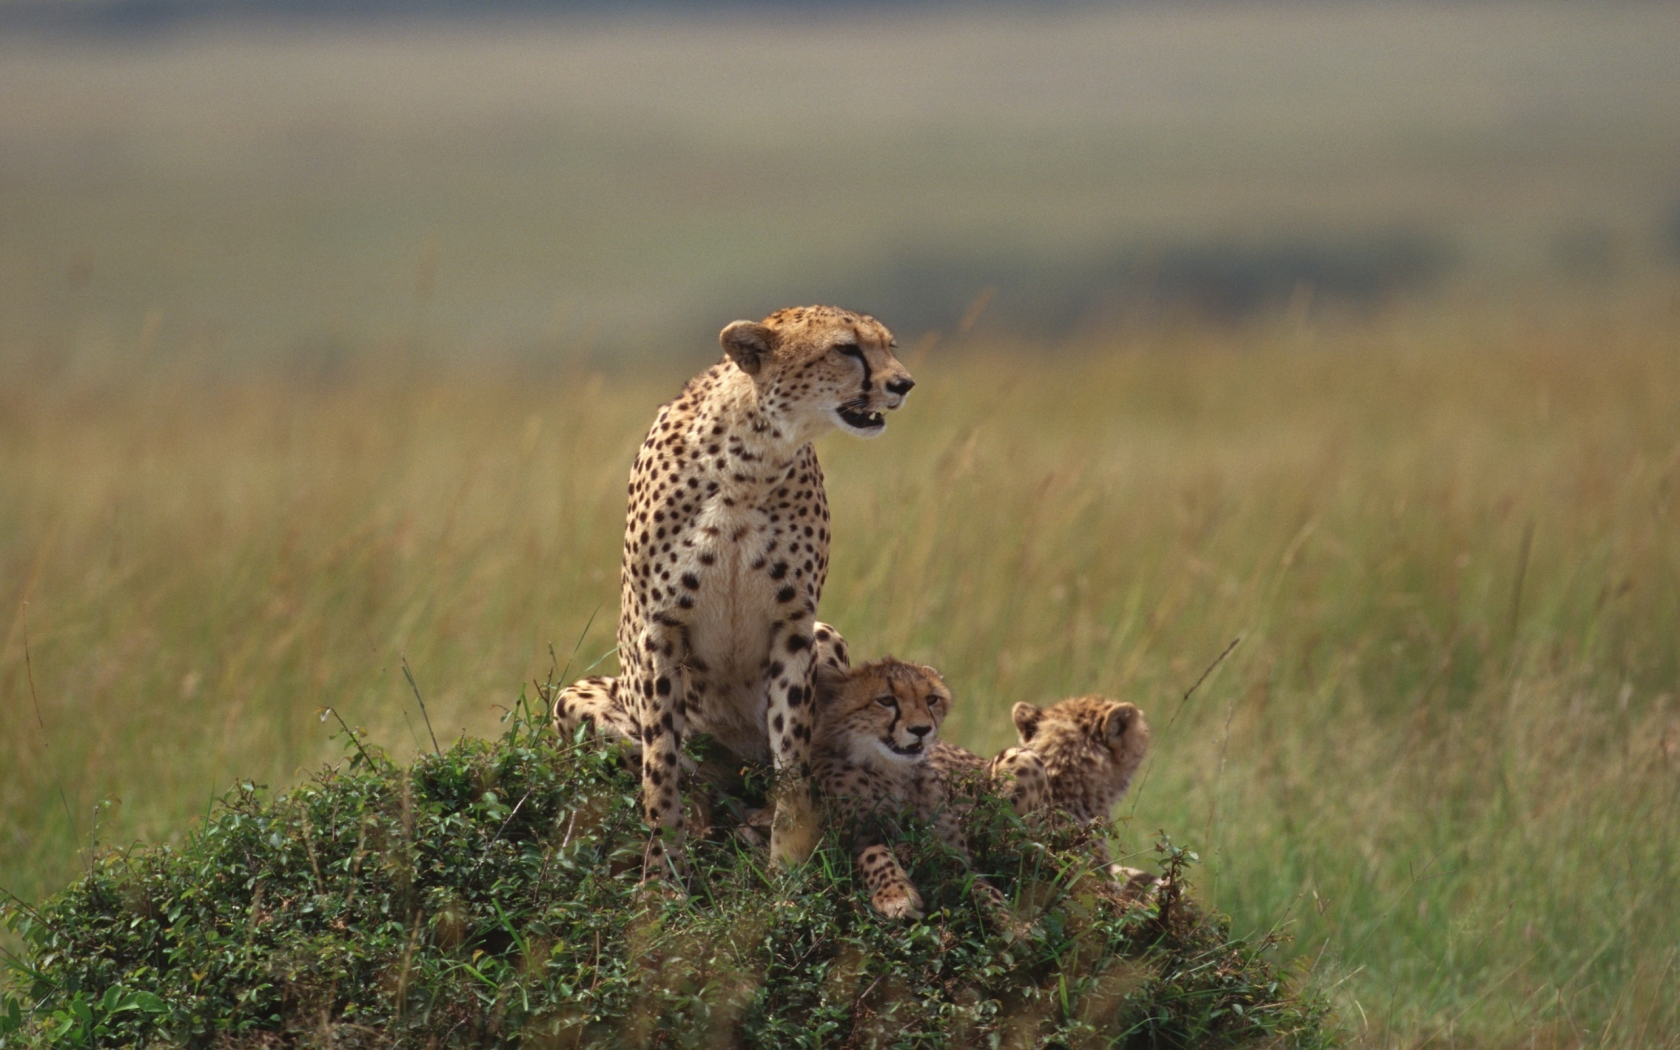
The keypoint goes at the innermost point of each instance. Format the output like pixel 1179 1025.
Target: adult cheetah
pixel 726 553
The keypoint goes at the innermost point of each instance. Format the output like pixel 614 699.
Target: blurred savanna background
pixel 1350 330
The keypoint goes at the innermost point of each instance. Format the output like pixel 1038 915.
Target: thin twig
pixel 498 834
pixel 1216 662
pixel 411 684
pixel 26 906
pixel 409 722
pixel 325 711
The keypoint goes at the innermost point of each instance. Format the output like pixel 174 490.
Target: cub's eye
pixel 887 701
pixel 849 349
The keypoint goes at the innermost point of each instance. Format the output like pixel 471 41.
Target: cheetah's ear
pixel 1026 718
pixel 748 343
pixel 1119 720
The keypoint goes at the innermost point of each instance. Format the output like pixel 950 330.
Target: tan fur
pixel 599 707
pixel 726 552
pixel 875 727
pixel 1091 748
pixel 1015 773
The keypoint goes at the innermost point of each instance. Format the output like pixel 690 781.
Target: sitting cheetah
pixel 1091 747
pixel 725 555
pixel 876 725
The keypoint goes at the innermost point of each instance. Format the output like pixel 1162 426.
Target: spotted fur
pixel 1091 748
pixel 875 726
pixel 726 552
pixel 1015 773
pixel 599 707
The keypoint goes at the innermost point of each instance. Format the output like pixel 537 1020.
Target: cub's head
pixel 888 711
pixel 820 367
pixel 1091 748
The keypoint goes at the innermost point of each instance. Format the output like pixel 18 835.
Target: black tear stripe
pixel 856 351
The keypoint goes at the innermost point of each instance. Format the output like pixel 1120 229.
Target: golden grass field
pixel 1445 755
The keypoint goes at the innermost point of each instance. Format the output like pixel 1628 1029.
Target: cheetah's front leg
pixel 793 834
pixel 657 680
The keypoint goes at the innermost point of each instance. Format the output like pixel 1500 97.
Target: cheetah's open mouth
pixel 908 749
pixel 862 420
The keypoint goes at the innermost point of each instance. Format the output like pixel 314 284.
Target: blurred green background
pixel 266 186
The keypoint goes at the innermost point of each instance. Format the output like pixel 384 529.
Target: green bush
pixel 489 896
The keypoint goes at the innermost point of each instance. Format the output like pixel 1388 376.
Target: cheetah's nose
pixel 921 731
pixel 900 386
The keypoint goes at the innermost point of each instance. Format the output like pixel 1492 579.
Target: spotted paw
pixel 903 903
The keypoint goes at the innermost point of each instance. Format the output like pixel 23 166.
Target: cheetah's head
pixel 1091 747
pixel 821 367
pixel 886 711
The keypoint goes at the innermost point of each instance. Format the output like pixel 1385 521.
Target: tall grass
pixel 1445 754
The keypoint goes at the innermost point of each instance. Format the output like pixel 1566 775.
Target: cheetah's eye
pixel 887 701
pixel 850 350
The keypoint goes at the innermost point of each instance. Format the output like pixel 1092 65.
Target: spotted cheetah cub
pixel 876 725
pixel 1091 748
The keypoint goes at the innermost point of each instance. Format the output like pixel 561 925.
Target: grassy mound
pixel 488 896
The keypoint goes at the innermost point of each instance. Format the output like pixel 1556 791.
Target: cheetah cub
pixel 876 725
pixel 1016 773
pixel 1091 748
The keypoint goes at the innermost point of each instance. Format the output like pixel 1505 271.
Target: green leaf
pixel 150 1003
pixel 11 1014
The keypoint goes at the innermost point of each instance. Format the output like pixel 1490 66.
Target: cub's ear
pixel 944 689
pixel 748 343
pixel 1026 718
pixel 1121 717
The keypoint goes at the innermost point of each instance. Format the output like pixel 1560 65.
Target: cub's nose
pixel 900 386
pixel 920 731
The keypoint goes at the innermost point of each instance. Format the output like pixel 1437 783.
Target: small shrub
pixel 488 896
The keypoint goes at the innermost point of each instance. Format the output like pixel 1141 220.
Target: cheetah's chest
pixel 749 592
